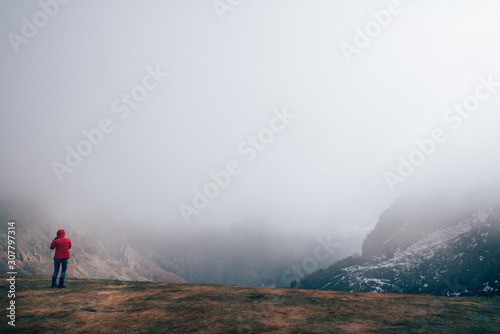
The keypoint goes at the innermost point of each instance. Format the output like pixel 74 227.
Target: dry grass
pixel 100 306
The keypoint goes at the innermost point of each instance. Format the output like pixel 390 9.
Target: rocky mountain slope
pixel 99 250
pixel 242 254
pixel 436 244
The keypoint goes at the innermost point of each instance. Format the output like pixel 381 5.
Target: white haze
pixel 323 174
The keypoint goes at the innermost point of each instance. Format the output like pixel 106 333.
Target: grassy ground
pixel 102 306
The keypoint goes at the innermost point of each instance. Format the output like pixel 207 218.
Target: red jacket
pixel 62 246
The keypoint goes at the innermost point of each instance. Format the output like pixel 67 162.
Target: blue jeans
pixel 57 264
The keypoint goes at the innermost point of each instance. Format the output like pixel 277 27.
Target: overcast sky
pixel 350 105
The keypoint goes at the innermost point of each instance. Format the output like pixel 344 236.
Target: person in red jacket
pixel 61 257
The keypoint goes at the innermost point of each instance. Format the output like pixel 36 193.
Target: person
pixel 61 257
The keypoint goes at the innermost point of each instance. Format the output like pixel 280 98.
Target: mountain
pixel 135 249
pixel 100 249
pixel 441 244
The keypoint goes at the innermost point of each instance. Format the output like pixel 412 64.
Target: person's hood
pixel 61 234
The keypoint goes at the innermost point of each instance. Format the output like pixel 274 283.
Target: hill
pixel 104 306
pixel 441 244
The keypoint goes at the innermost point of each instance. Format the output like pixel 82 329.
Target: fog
pixel 284 114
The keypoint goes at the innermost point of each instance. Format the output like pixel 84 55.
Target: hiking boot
pixel 54 286
pixel 62 286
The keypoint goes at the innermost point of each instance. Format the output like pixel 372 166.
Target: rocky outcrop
pixel 442 245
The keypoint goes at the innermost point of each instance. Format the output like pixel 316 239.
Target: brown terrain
pixel 110 306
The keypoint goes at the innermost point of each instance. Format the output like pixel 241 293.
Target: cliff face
pixel 99 249
pixel 443 245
